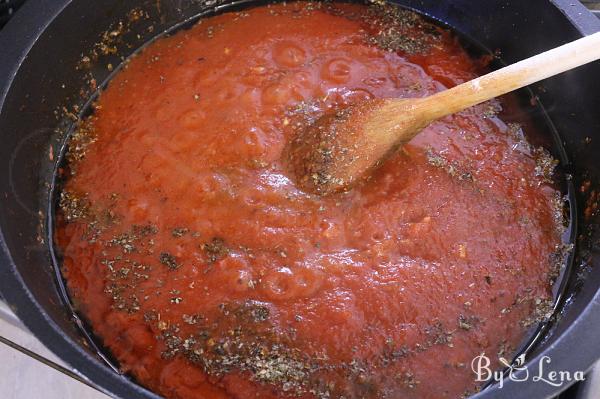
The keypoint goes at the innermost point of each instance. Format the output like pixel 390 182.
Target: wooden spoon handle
pixel 512 77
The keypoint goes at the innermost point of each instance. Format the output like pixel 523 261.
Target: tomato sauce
pixel 209 274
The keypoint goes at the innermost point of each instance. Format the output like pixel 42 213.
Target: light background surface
pixel 22 377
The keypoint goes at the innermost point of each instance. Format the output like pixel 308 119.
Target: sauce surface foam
pixel 208 274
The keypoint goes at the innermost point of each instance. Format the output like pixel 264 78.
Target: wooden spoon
pixel 338 149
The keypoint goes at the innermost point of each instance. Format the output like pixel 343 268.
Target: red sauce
pixel 208 274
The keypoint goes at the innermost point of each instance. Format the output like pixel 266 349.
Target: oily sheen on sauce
pixel 208 274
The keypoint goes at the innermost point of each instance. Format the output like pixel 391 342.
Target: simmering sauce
pixel 209 274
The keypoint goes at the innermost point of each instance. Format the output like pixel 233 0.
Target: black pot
pixel 41 48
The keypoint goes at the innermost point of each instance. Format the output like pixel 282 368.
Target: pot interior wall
pixel 52 79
